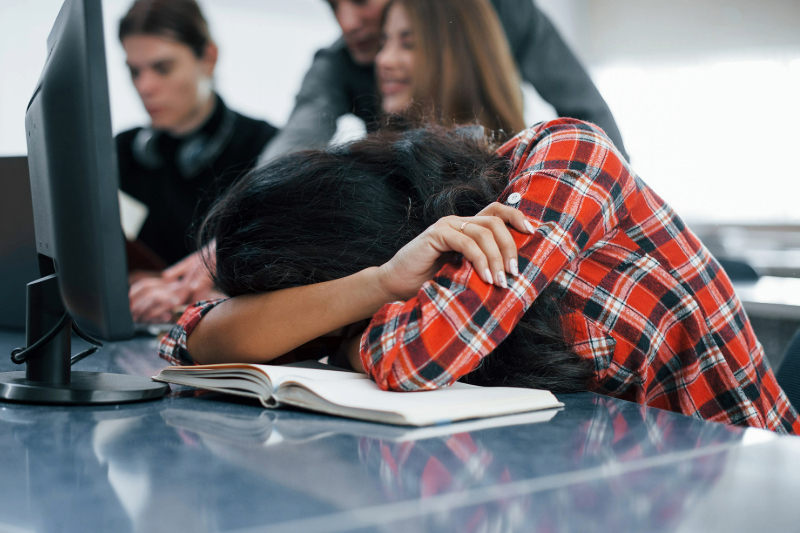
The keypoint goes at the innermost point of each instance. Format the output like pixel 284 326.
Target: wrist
pixel 383 280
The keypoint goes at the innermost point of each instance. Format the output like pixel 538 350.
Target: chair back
pixel 788 373
pixel 738 270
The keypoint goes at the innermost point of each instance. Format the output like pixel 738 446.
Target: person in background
pixel 341 79
pixel 193 149
pixel 448 61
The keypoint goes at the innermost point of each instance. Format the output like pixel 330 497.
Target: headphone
pixel 196 151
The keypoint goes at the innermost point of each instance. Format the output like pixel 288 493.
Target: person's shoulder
pixel 250 136
pixel 332 72
pixel 564 133
pixel 124 144
pixel 125 138
pixel 253 123
pixel 253 127
pixel 515 14
pixel 335 58
pixel 130 172
pixel 506 6
pixel 336 51
pixel 561 125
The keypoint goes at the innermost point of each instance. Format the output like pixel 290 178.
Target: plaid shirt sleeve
pixel 173 346
pixel 573 186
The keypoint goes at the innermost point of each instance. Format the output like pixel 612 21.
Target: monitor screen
pixel 74 177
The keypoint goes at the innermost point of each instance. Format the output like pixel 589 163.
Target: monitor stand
pixel 48 377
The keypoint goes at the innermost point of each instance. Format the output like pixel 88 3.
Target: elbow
pixel 395 373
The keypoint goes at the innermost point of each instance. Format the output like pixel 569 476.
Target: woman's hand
pixel 484 240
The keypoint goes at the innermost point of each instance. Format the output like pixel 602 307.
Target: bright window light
pixel 717 139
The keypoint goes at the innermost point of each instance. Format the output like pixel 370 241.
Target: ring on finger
pixel 463 225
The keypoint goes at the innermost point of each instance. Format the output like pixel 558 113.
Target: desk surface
pixel 204 462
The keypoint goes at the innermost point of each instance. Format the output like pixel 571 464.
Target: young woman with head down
pixel 423 256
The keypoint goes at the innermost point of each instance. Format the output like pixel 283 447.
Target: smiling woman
pixel 193 149
pixel 449 60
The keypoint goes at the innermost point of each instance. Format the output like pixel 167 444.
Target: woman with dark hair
pixel 193 149
pixel 449 60
pixel 582 278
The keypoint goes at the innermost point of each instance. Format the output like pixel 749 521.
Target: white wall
pixel 265 47
pixel 706 94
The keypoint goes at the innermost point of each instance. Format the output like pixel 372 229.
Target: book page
pixel 270 376
pixel 363 399
pixel 249 379
pixel 280 373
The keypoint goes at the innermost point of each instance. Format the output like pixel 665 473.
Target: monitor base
pixel 84 388
pixel 48 377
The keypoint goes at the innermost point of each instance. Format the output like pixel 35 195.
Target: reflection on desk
pixel 208 462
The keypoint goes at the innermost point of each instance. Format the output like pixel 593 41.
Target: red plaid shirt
pixel 645 301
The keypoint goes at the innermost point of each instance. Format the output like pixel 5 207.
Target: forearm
pixel 258 328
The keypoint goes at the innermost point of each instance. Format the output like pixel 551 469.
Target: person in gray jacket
pixel 341 79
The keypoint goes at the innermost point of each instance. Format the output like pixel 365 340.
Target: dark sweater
pixel 178 201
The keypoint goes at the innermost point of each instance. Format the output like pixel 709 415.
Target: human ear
pixel 209 59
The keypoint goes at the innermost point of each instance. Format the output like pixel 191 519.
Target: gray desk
pixel 203 462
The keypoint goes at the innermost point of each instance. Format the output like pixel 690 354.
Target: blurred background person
pixel 193 149
pixel 341 79
pixel 448 60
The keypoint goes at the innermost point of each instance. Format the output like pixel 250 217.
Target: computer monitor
pixel 81 251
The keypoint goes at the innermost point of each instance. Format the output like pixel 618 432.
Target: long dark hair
pixel 320 215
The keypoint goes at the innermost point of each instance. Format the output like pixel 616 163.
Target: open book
pixel 356 396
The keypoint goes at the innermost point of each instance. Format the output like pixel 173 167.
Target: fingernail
pixel 501 279
pixel 487 276
pixel 512 266
pixel 528 226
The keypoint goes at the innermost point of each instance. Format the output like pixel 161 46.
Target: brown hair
pixel 473 75
pixel 181 20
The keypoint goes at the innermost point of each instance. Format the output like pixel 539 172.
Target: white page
pixel 457 402
pixel 280 373
pixel 276 373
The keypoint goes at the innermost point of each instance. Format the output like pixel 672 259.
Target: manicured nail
pixel 512 266
pixel 487 276
pixel 528 226
pixel 501 279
